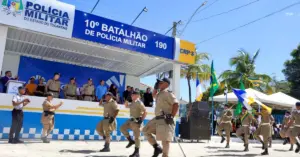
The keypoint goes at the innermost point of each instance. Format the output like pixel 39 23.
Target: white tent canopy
pixel 284 99
pixel 267 99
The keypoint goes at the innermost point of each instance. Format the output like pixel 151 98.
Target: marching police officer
pixel 244 131
pixel 137 113
pixel 225 123
pixel 19 101
pixel 295 120
pixel 70 90
pixel 88 90
pixel 264 129
pixel 163 124
pixel 286 131
pixel 109 123
pixel 53 85
pixel 47 118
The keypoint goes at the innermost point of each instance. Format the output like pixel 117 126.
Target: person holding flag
pixel 244 131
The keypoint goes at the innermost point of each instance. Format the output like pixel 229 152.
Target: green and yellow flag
pixel 214 85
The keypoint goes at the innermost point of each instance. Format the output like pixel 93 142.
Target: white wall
pixel 132 81
pixel 11 63
pixel 3 34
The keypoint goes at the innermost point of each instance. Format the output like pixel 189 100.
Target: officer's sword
pixel 175 136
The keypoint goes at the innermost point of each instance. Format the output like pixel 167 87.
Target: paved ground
pixel 91 148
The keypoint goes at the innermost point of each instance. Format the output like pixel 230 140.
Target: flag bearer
pixel 163 124
pixel 286 131
pixel 47 118
pixel 225 123
pixel 295 120
pixel 137 113
pixel 109 123
pixel 264 129
pixel 244 131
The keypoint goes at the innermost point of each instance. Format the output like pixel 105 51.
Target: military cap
pixel 72 78
pixel 21 87
pixel 56 74
pixel 164 80
pixel 136 92
pixel 297 103
pixel 110 94
pixel 49 94
pixel 90 79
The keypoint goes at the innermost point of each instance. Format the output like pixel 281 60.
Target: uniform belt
pixel 160 117
pixel 106 117
pixel 265 124
pixel 297 125
pixel 46 113
pixel 53 91
pixel 18 109
pixel 227 122
pixel 245 125
pixel 135 119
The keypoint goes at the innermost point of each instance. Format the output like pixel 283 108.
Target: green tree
pixel 279 86
pixel 190 72
pixel 244 65
pixel 292 72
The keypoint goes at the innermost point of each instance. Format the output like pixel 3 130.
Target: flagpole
pixel 212 116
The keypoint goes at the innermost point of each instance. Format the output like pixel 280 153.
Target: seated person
pixel 31 87
pixel 41 88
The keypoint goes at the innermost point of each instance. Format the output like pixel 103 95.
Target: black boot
pixel 131 142
pixel 298 148
pixel 157 150
pixel 106 148
pixel 223 139
pixel 263 145
pixel 45 140
pixel 10 140
pixel 246 148
pixel 292 147
pixel 104 137
pixel 136 153
pixel 227 145
pixel 265 152
pixel 285 141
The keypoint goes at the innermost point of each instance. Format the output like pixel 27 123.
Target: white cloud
pixel 289 14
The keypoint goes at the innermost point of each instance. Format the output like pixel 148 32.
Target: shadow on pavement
pixel 78 151
pixel 280 150
pixel 249 155
pixel 210 147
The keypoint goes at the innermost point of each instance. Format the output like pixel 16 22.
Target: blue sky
pixel 275 36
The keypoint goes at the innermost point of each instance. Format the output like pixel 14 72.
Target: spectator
pixel 6 78
pixel 101 90
pixel 132 89
pixel 31 87
pixel 117 96
pixel 70 89
pixel 41 88
pixel 113 90
pixel 148 99
pixel 53 85
pixel 137 90
pixel 126 92
pixel 88 90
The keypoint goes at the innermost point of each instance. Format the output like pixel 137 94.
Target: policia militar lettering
pixel 163 124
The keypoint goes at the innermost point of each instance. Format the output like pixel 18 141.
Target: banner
pixel 98 29
pixel 30 67
pixel 185 51
pixel 50 17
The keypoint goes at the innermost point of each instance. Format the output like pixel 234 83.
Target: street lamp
pixel 144 10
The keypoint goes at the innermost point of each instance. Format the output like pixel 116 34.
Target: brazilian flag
pixel 214 85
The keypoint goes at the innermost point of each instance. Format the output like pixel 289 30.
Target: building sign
pixel 51 17
pixel 185 51
pixel 117 34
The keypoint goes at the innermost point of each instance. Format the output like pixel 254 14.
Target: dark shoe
pixel 292 147
pixel 157 150
pixel 227 145
pixel 223 139
pixel 15 141
pixel 265 152
pixel 106 148
pixel 263 145
pixel 246 148
pixel 131 142
pixel 10 140
pixel 298 148
pixel 285 141
pixel 45 140
pixel 135 153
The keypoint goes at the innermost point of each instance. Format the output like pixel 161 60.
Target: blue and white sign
pixel 51 17
pixel 113 33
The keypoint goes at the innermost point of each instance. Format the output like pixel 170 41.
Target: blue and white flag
pixel 244 98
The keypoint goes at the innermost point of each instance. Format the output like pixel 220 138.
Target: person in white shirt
pixel 19 101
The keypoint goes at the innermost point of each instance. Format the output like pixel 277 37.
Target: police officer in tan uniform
pixel 295 120
pixel 88 91
pixel 47 118
pixel 271 131
pixel 109 123
pixel 70 90
pixel 53 85
pixel 163 124
pixel 286 131
pixel 264 129
pixel 225 123
pixel 244 131
pixel 137 113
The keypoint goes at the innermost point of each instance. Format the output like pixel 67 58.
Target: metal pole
pixel 144 10
pixel 95 6
pixel 174 29
pixel 212 116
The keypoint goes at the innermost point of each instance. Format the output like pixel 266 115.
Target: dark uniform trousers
pixel 17 123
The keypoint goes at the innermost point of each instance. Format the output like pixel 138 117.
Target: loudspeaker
pixel 198 125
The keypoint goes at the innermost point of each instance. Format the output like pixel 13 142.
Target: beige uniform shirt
pixel 53 86
pixel 88 90
pixel 296 118
pixel 164 102
pixel 110 108
pixel 137 109
pixel 246 121
pixel 70 89
pixel 226 116
pixel 47 105
pixel 266 118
